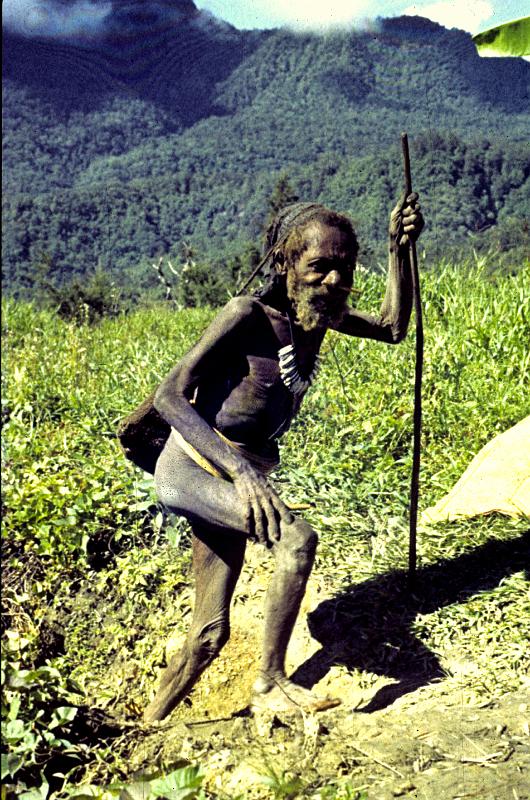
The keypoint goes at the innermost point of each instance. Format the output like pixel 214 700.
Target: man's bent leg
pixel 295 553
pixel 187 489
pixel 217 562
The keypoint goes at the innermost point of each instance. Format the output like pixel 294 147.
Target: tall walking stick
pixel 416 447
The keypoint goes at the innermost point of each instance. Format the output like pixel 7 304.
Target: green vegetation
pixel 95 578
pixel 102 171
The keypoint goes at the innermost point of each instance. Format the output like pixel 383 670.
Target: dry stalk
pixel 164 281
pixel 378 761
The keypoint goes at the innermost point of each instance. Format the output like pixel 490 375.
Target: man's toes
pixel 289 697
pixel 273 701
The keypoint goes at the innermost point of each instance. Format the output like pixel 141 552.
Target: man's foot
pixel 280 694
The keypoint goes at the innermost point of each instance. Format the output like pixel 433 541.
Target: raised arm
pixel 392 323
pixel 220 344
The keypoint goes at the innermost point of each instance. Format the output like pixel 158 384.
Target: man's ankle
pixel 267 681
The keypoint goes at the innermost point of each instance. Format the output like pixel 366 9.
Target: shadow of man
pixel 368 625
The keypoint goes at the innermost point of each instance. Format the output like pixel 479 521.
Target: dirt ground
pixel 432 740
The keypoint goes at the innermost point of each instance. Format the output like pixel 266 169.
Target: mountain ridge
pixel 201 126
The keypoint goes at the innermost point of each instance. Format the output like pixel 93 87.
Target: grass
pixel 93 578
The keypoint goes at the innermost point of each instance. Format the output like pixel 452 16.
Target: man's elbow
pixel 161 402
pixel 167 400
pixel 396 335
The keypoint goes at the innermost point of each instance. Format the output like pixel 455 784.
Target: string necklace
pixel 289 369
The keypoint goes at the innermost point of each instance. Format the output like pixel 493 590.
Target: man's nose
pixel 332 279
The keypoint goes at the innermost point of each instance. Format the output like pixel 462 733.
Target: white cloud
pixel 47 18
pixel 313 14
pixel 465 14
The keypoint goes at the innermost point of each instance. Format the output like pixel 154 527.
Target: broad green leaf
pixel 141 506
pixel 15 641
pixel 61 715
pixel 510 39
pixel 136 790
pixel 4 771
pixel 14 730
pixel 14 707
pixel 37 793
pixel 91 792
pixel 181 784
pixel 11 764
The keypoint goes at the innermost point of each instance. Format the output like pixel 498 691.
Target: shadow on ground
pixel 368 626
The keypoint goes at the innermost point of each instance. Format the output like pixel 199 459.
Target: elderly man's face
pixel 319 282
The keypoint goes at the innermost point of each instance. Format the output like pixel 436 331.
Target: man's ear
pixel 278 259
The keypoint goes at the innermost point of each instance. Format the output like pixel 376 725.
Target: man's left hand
pixel 406 221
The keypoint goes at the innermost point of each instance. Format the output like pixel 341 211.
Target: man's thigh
pixel 187 489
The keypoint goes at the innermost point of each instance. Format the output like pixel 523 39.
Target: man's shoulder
pixel 246 307
pixel 239 306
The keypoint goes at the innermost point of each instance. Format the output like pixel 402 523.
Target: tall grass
pixel 77 512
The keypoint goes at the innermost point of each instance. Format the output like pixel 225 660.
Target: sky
pixel 469 15
pixel 67 19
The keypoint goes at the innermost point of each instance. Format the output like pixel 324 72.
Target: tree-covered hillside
pixel 118 152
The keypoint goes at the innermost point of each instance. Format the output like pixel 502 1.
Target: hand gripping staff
pixel 418 372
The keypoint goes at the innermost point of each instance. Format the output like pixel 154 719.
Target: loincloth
pixel 260 463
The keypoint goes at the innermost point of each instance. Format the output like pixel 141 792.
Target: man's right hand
pixel 263 508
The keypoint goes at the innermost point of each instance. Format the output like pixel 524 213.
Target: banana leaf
pixel 510 39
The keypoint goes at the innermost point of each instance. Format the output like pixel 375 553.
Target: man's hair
pixel 285 235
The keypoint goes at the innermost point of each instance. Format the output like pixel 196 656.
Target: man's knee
pixel 297 546
pixel 207 641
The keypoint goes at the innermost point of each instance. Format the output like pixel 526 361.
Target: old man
pixel 227 403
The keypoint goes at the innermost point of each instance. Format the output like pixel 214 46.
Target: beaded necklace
pixel 289 370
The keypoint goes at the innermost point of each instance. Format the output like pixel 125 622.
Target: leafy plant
pixel 82 300
pixel 39 708
pixel 510 39
pixel 183 783
pixel 283 785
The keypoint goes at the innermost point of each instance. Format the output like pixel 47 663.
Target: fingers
pixel 406 221
pixel 269 519
pixel 405 199
pixel 256 528
pixel 253 513
pixel 248 511
pixel 264 510
pixel 413 224
pixel 410 213
pixel 411 219
pixel 286 515
pixel 275 511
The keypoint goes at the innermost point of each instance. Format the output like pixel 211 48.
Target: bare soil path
pixel 429 735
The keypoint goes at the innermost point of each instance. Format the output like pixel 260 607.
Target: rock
pixel 403 788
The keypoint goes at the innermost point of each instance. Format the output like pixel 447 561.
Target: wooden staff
pixel 416 451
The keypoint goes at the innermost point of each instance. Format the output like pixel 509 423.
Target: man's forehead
pixel 323 235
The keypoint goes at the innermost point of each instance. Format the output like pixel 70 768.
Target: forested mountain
pixel 118 149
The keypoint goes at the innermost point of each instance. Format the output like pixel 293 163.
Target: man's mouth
pixel 319 306
pixel 329 300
